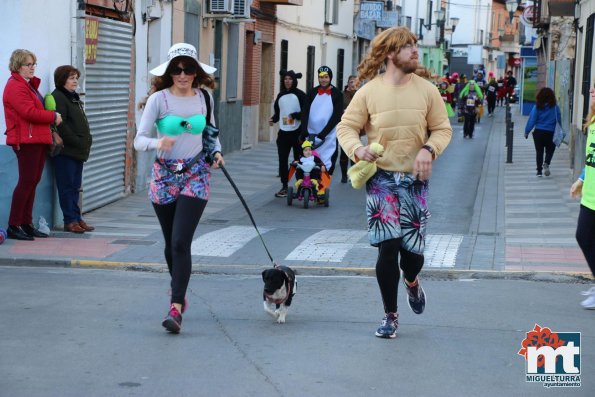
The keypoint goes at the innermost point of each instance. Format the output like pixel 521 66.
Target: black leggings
pixel 286 142
pixel 387 270
pixel 344 162
pixel 469 125
pixel 544 141
pixel 491 104
pixel 178 222
pixel 585 235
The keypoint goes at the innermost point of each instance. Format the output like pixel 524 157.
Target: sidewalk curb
pixel 430 273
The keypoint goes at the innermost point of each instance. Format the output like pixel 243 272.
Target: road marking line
pixel 224 242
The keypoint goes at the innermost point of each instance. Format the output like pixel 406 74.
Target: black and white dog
pixel 279 288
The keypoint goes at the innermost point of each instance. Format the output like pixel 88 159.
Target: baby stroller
pixel 311 186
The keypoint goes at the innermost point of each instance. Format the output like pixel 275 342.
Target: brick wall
pixel 266 25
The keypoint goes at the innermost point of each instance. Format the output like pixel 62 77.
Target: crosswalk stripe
pixel 329 245
pixel 326 246
pixel 224 242
pixel 441 250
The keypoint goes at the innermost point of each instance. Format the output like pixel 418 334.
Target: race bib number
pixel 470 101
pixel 491 88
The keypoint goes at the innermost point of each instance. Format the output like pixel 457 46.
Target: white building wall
pixel 304 26
pixel 474 15
pixel 24 24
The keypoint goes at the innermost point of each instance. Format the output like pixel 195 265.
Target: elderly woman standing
pixel 75 132
pixel 28 132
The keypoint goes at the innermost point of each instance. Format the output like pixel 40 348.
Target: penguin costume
pixel 324 108
pixel 288 113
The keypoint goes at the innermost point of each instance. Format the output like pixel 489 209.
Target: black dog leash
pixel 248 211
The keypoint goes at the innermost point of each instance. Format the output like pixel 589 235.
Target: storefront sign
pixel 365 29
pixel 528 16
pixel 389 19
pixel 561 8
pixel 91 38
pixel 371 10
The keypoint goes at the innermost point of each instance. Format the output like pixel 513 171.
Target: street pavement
pixel 500 258
pixel 517 223
pixel 69 332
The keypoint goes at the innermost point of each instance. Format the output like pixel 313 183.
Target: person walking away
pixel 396 108
pixel 28 133
pixel 510 84
pixel 470 99
pixel 76 135
pixel 491 94
pixel 288 113
pixel 180 181
pixel 348 94
pixel 543 117
pixel 585 187
pixel 324 107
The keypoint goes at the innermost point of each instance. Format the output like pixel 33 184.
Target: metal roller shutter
pixel 107 86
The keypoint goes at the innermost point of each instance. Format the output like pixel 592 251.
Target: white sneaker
pixel 589 303
pixel 546 169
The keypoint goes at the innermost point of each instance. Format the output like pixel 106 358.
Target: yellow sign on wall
pixel 91 38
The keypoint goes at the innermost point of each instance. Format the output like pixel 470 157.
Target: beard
pixel 406 67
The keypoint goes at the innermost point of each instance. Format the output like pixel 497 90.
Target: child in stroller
pixel 308 172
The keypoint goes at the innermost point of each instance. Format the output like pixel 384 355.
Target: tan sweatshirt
pixel 405 117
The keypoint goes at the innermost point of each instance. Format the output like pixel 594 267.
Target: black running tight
pixel 178 222
pixel 387 270
pixel 585 235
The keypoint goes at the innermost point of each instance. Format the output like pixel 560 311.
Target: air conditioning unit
pixel 241 8
pixel 221 6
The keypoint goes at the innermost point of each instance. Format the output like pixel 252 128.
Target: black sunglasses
pixel 188 70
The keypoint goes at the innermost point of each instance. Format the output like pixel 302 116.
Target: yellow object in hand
pixel 363 170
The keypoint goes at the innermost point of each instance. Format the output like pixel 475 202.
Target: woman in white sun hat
pixel 179 189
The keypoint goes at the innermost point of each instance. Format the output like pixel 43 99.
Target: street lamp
pixel 454 22
pixel 439 14
pixel 511 6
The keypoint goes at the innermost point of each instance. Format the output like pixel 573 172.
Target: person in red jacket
pixel 28 132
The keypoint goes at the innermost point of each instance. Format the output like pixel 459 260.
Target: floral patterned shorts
pixel 165 187
pixel 396 206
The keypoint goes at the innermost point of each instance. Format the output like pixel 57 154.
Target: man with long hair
pixel 405 113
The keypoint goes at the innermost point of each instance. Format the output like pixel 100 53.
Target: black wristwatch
pixel 429 149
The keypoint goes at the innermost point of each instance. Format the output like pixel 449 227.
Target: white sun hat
pixel 181 50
